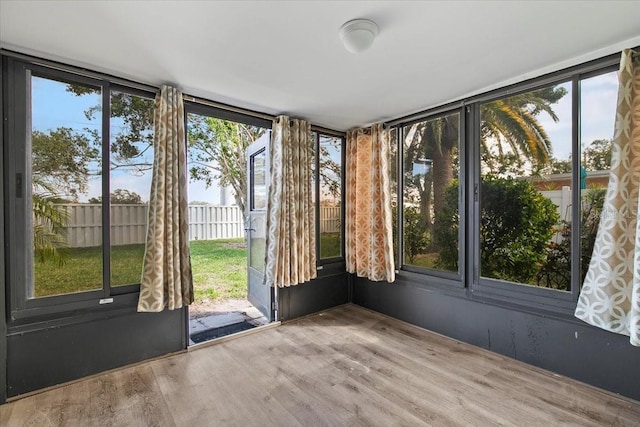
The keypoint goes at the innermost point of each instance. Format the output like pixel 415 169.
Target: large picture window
pixel 535 163
pixel 80 169
pixel 541 193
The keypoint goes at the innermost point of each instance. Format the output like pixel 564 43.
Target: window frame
pixel 438 277
pixel 320 262
pixel 22 308
pixel 549 299
pixel 479 288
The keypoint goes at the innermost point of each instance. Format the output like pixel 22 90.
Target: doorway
pixel 228 171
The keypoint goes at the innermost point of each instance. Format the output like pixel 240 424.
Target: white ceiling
pixel 285 57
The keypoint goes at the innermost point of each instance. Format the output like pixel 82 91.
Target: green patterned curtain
pixel 166 275
pixel 291 239
pixel 610 296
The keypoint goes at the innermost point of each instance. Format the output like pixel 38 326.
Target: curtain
pixel 610 295
pixel 368 222
pixel 166 273
pixel 291 238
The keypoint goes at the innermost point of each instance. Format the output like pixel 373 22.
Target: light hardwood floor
pixel 346 366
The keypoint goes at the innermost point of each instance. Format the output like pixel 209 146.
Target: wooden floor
pixel 346 366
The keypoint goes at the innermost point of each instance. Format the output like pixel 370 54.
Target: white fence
pixel 215 222
pixel 329 219
pixel 128 223
pixel 562 199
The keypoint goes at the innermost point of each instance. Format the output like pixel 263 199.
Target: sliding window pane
pixel 525 192
pixel 330 177
pixel 598 97
pixel 431 193
pixel 65 149
pixel 131 161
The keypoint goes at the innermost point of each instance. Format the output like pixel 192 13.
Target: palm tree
pixel 513 123
pixel 49 225
pixel 510 124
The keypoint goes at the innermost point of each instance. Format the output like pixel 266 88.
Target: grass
pixel 330 245
pixel 219 269
pixel 82 270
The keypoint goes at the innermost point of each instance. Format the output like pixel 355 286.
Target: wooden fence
pixel 128 223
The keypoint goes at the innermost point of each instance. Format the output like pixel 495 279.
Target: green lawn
pixel 219 269
pixel 330 245
pixel 82 270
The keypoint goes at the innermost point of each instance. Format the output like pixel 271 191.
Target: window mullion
pixel 106 189
pixel 576 196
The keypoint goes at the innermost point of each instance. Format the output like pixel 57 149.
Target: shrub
pixel 416 238
pixel 516 225
pixel 555 272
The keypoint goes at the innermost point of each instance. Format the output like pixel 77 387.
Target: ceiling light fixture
pixel 358 34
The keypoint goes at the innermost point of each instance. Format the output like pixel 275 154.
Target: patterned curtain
pixel 368 222
pixel 166 275
pixel 610 296
pixel 291 238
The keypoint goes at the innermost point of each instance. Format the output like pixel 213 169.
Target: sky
pixel 598 108
pixel 53 107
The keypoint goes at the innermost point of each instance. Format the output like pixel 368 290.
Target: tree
pixel 516 224
pixel 135 137
pixel 330 170
pixel 509 128
pixel 597 156
pixel 120 197
pixel 511 125
pixel 217 150
pixel 61 161
pixel 49 224
pixel 555 272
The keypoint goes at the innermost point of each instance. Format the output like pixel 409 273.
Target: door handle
pixel 249 229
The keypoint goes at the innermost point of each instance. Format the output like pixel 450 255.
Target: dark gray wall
pixel 42 355
pixel 330 289
pixel 559 343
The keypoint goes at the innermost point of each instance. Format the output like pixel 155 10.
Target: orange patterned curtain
pixel 368 222
pixel 291 231
pixel 166 273
pixel 610 296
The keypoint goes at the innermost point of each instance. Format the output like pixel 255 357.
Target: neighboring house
pixel 594 179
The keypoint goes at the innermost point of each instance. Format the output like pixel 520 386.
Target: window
pixel 80 170
pixel 65 151
pixel 330 196
pixel 534 160
pixel 541 193
pixel 598 102
pixel 130 171
pixel 525 201
pixel 431 194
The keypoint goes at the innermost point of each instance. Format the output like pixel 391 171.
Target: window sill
pixel 37 318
